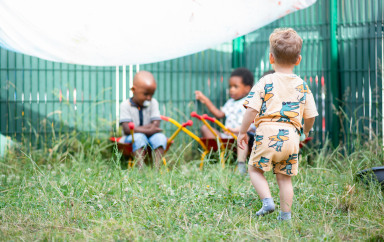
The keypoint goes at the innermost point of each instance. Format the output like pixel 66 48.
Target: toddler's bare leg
pixel 242 154
pixel 261 186
pixel 259 182
pixel 206 133
pixel 158 154
pixel 139 156
pixel 286 192
pixel 241 160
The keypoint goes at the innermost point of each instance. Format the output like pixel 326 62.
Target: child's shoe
pixel 241 168
pixel 268 207
pixel 284 216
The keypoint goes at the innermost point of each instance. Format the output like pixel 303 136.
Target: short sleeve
pixel 310 109
pixel 225 108
pixel 255 97
pixel 125 115
pixel 155 111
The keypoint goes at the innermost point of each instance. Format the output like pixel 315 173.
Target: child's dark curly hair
pixel 246 76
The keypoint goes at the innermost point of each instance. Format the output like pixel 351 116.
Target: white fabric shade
pixel 118 32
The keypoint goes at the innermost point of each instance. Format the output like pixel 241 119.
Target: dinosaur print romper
pixel 282 101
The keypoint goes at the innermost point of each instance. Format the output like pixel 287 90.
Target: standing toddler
pixel 277 104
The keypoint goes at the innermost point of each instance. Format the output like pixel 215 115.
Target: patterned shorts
pixel 276 146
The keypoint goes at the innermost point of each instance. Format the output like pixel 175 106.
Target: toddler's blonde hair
pixel 285 45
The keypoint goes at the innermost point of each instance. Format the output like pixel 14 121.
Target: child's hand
pixel 242 140
pixel 306 134
pixel 201 97
pixel 154 129
pixel 233 130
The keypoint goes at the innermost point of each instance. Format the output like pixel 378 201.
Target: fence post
pixel 238 56
pixel 335 80
pixel 117 98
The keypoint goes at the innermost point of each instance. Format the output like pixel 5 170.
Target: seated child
pixel 143 111
pixel 240 83
pixel 277 104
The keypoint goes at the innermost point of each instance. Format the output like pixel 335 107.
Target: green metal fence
pixel 313 25
pixel 342 62
pixel 40 99
pixel 346 78
pixel 360 32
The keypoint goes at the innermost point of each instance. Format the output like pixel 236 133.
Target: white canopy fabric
pixel 123 32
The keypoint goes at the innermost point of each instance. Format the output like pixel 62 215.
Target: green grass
pixel 79 191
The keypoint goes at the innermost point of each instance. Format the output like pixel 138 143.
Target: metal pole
pixel 130 80
pixel 382 82
pixel 335 80
pixel 117 98
pixel 124 83
pixel 238 57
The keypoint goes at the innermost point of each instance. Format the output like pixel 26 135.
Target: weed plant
pixel 81 190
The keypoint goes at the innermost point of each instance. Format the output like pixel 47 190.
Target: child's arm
pixel 237 129
pixel 211 107
pixel 234 130
pixel 308 124
pixel 249 117
pixel 148 129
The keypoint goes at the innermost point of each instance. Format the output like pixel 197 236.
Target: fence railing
pixel 39 98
